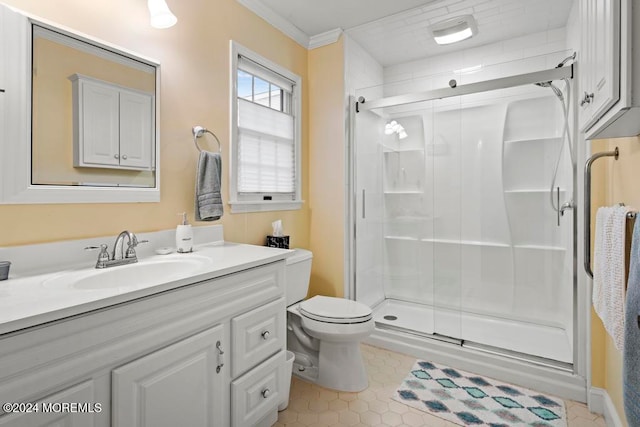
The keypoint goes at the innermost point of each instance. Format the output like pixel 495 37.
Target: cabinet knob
pixel 124 156
pixel 588 97
pixel 266 393
pixel 265 335
pixel 116 156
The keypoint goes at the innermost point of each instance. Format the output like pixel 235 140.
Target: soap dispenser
pixel 184 236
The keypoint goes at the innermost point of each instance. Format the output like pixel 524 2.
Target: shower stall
pixel 462 214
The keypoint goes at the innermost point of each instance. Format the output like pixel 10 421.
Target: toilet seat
pixel 335 310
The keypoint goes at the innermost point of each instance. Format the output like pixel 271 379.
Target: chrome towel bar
pixel 587 205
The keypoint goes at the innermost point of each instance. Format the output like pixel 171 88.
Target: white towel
pixel 608 270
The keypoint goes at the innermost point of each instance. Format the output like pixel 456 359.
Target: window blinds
pixel 266 150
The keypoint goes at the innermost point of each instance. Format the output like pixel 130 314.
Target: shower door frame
pixel 580 375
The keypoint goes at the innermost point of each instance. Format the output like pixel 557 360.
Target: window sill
pixel 265 206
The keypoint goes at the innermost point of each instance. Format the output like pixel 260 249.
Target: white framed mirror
pixel 78 117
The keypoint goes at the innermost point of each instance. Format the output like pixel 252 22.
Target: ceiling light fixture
pixel 161 16
pixel 454 30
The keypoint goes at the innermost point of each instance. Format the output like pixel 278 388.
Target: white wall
pixel 521 55
pixel 524 53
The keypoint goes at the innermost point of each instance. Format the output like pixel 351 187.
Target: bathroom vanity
pixel 205 347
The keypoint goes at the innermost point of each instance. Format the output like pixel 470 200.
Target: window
pixel 265 137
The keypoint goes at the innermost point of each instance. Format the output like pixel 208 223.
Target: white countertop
pixel 26 301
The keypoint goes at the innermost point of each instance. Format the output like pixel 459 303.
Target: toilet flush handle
pixel 265 335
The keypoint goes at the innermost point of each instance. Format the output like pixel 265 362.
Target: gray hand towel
pixel 208 196
pixel 631 364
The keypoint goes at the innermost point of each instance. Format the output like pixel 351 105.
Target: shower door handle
pixel 558 212
pixel 364 198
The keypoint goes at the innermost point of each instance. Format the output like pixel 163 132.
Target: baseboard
pixel 600 402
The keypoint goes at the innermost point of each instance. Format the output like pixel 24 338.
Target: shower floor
pixel 522 337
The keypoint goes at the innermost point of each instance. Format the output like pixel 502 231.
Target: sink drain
pixel 390 317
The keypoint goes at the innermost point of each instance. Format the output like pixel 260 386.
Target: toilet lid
pixel 334 310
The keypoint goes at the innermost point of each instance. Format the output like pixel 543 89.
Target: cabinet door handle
pixel 220 357
pixel 588 97
pixel 116 156
pixel 265 335
pixel 124 156
pixel 266 393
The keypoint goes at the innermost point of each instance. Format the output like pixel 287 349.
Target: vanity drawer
pixel 257 392
pixel 257 334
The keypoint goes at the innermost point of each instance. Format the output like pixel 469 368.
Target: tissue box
pixel 281 242
pixel 5 265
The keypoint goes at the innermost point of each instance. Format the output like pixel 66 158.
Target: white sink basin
pixel 132 276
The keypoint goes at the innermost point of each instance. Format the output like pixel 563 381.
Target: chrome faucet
pixel 129 257
pixel 131 252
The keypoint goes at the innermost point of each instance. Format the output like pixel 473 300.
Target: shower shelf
pixel 467 242
pixel 387 150
pixel 413 239
pixel 537 190
pixel 408 219
pixel 534 140
pixel 403 192
pixel 541 247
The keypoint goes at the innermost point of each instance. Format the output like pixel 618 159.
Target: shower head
pixel 554 88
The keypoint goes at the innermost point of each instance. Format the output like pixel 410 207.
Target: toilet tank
pixel 298 272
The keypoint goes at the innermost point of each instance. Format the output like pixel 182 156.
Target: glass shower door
pixel 456 235
pixel 502 257
pixel 393 265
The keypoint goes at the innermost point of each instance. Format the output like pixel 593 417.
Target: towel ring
pixel 198 131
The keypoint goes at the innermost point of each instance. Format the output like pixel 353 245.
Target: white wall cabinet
pixel 599 58
pixel 113 125
pixel 171 359
pixel 609 93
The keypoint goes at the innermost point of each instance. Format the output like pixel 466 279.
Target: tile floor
pixel 311 405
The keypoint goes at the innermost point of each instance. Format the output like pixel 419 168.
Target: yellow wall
pixel 327 174
pixel 613 182
pixel 194 91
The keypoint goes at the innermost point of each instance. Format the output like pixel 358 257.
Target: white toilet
pixel 324 332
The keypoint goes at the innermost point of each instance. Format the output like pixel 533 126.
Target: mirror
pixel 92 114
pixel 89 130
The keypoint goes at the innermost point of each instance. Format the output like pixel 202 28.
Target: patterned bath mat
pixel 471 400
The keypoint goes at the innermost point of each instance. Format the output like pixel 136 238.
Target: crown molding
pixel 266 13
pixel 325 38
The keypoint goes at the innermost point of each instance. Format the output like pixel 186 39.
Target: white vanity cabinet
pixel 83 392
pixel 113 125
pixel 207 354
pixel 609 93
pixel 177 385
